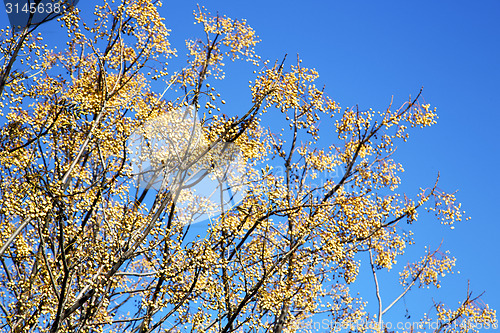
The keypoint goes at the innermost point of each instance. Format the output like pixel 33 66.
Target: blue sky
pixel 368 51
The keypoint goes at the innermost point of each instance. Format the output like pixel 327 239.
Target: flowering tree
pixel 100 183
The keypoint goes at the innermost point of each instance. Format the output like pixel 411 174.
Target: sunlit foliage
pixel 86 249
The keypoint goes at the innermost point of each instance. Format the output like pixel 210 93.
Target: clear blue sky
pixel 367 51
